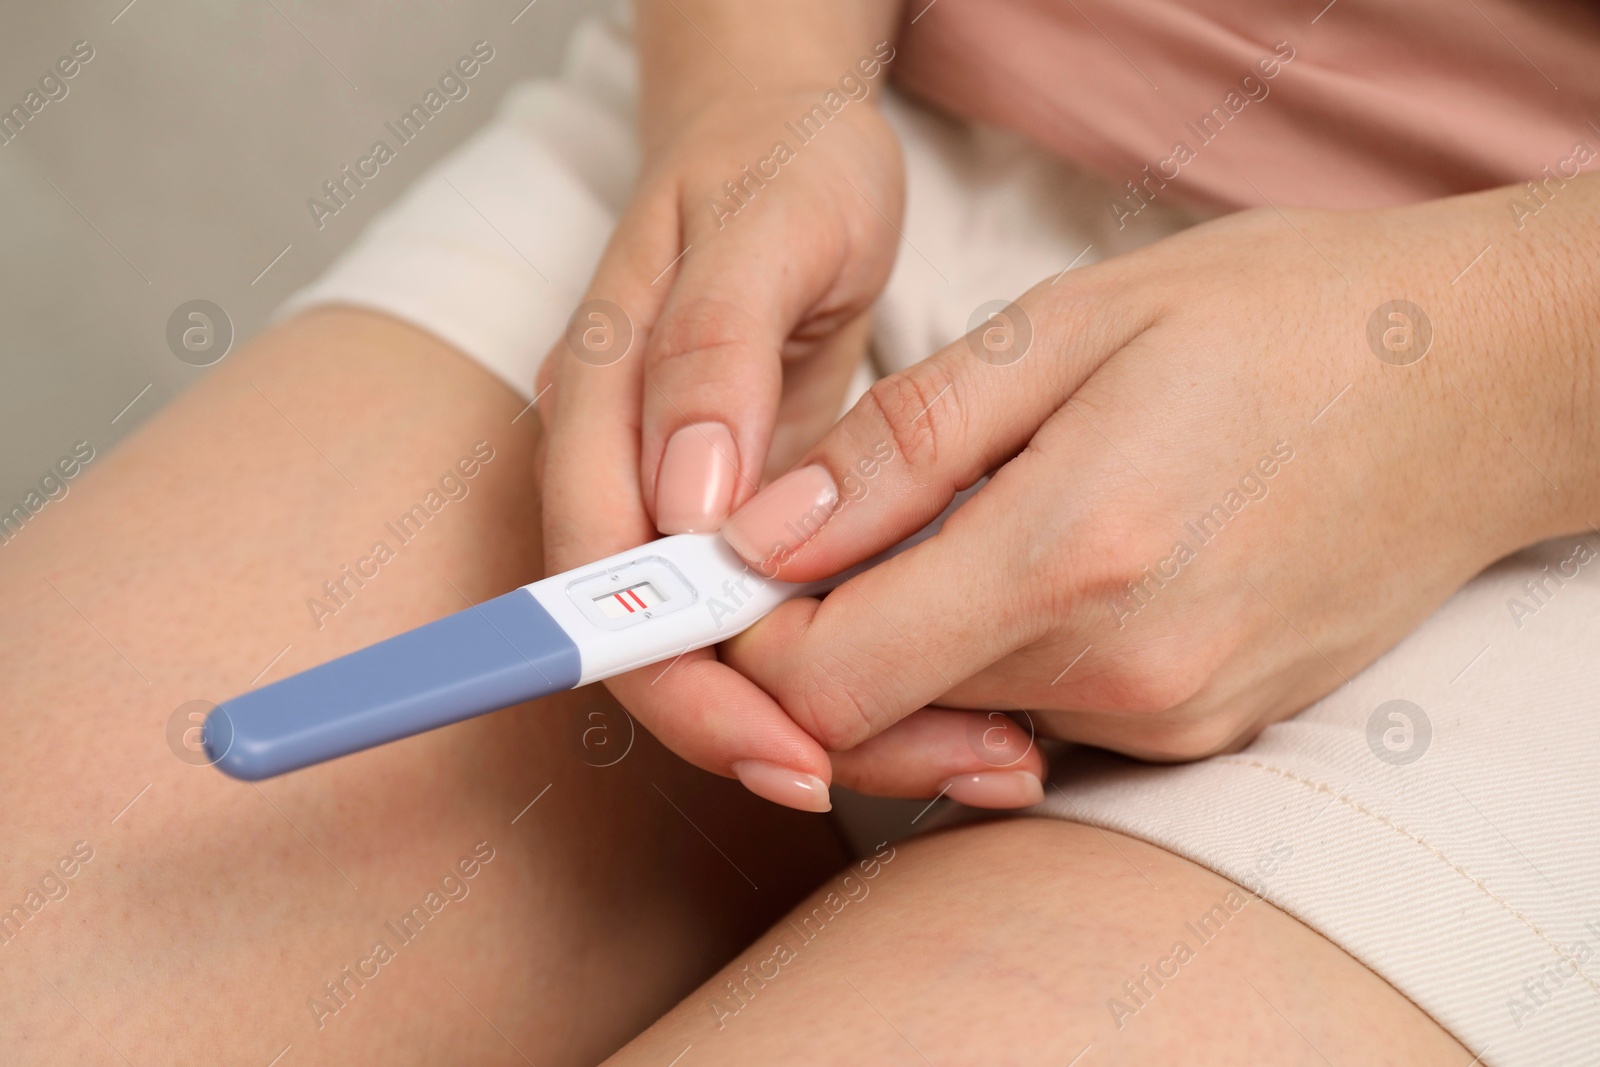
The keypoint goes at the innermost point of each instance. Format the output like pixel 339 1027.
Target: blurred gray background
pixel 178 165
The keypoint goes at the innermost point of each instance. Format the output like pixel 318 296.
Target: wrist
pixel 780 124
pixel 1560 307
pixel 1531 324
pixel 696 56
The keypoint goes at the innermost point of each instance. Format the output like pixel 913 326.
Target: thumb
pixel 919 437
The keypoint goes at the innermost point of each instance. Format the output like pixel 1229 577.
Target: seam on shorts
pixel 1322 787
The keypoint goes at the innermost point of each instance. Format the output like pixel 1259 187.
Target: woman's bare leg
pixel 1041 942
pixel 211 913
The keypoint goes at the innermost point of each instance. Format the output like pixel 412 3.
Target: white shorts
pixel 1438 817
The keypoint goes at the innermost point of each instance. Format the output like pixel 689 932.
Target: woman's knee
pixel 1036 940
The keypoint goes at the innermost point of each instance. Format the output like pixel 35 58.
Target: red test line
pixel 636 599
pixel 624 603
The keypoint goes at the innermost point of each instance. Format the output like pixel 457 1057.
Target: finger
pixel 702 710
pixel 777 280
pixel 980 759
pixel 893 639
pixel 718 720
pixel 708 713
pixel 918 437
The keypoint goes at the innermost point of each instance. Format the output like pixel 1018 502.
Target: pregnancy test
pixel 647 605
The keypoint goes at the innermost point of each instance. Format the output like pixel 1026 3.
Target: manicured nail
pixel 792 789
pixel 784 515
pixel 695 486
pixel 995 789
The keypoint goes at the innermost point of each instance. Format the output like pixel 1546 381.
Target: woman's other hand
pixel 1229 471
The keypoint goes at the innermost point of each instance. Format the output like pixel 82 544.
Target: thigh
pixel 1037 941
pixel 538 887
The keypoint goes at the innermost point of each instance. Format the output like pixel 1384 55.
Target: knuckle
pixel 1123 560
pixel 699 326
pixel 919 411
pixel 1156 677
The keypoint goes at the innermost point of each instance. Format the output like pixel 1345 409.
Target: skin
pixel 211 911
pixel 939 958
pixel 1158 383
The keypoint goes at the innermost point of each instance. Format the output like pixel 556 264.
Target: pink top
pixel 1229 103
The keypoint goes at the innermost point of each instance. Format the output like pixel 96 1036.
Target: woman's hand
pixel 716 341
pixel 745 331
pixel 1229 471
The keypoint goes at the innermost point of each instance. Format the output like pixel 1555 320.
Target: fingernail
pixel 784 515
pixel 695 485
pixel 995 789
pixel 792 789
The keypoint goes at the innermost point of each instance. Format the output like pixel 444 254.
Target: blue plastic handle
pixel 502 652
